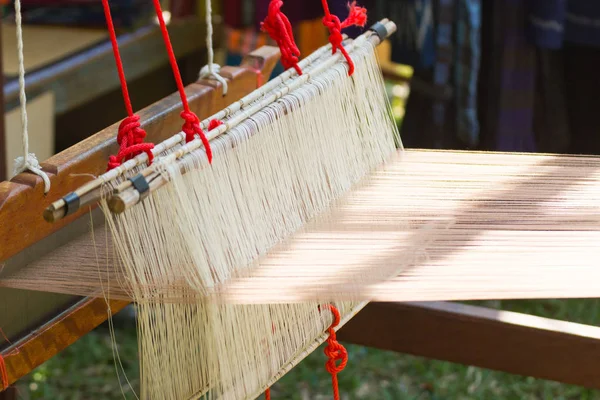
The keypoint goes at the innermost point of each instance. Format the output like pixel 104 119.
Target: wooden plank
pixel 142 51
pixel 9 394
pixel 56 335
pixel 3 171
pixel 494 339
pixel 24 197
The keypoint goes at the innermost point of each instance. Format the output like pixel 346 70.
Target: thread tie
pixel 191 128
pixel 278 26
pixel 130 138
pixel 356 16
pixel 335 352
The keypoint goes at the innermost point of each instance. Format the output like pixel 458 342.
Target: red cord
pixel 191 126
pixel 268 394
pixel 278 26
pixel 3 372
pixel 335 352
pixel 357 16
pixel 214 123
pixel 131 135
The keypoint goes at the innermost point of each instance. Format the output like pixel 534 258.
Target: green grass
pixel 86 370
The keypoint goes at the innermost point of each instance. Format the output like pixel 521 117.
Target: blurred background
pixel 509 75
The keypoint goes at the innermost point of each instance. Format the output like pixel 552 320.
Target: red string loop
pixel 356 16
pixel 335 352
pixel 131 141
pixel 278 26
pixel 191 128
pixel 3 374
pixel 214 124
pixel 130 136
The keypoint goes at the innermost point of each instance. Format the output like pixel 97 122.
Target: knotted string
pixel 211 70
pixel 356 16
pixel 131 135
pixel 131 141
pixel 191 126
pixel 3 374
pixel 27 161
pixel 335 352
pixel 278 26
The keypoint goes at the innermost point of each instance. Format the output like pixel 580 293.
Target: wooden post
pixel 9 394
pixel 3 172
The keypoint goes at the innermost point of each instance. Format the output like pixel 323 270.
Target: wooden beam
pixel 56 335
pixel 499 340
pixel 142 51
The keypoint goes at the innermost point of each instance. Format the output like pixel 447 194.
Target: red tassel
pixel 357 16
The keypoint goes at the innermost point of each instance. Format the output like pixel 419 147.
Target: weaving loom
pixel 243 233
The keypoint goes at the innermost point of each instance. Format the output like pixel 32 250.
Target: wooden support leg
pixel 500 340
pixel 3 172
pixel 9 394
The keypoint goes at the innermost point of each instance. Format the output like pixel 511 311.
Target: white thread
pixel 211 70
pixel 27 161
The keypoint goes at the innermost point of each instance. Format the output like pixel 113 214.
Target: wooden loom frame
pixel 509 342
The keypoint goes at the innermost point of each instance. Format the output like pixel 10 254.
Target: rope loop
pixel 356 16
pixel 278 26
pixel 334 25
pixel 335 352
pixel 213 71
pixel 191 128
pixel 131 142
pixel 31 164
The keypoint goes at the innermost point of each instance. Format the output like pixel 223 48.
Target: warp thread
pixel 356 16
pixel 131 135
pixel 335 352
pixel 191 126
pixel 278 26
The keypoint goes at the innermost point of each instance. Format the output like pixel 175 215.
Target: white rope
pixel 211 70
pixel 27 161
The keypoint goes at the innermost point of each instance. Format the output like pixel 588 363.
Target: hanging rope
pixel 268 394
pixel 335 352
pixel 211 70
pixel 130 135
pixel 356 16
pixel 278 26
pixel 3 374
pixel 191 126
pixel 27 161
